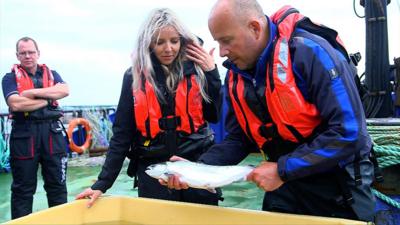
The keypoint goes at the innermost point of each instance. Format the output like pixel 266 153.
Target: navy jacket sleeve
pixel 235 146
pixel 123 130
pixel 57 77
pixel 329 85
pixel 9 85
pixel 211 110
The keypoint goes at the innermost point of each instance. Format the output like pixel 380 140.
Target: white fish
pixel 198 175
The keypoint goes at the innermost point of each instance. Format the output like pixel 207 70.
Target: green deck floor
pixel 240 195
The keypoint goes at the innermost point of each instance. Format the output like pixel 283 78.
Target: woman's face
pixel 166 47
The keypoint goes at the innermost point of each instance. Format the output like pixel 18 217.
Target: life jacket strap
pixel 377 170
pixel 169 125
pixel 169 122
pixel 269 131
pixel 346 193
pixel 357 172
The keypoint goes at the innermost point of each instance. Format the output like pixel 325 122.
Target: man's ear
pixel 255 28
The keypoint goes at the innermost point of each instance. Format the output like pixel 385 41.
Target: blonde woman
pixel 168 97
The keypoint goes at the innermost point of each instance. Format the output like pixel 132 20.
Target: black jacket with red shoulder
pixel 126 132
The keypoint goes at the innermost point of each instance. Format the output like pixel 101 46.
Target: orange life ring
pixel 74 123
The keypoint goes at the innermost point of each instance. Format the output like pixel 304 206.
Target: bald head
pixel 241 30
pixel 240 10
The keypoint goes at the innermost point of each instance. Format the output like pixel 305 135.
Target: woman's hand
pixel 91 194
pixel 197 54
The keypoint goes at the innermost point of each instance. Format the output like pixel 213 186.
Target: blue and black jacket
pixel 326 80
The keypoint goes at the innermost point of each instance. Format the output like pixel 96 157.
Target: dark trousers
pixel 322 195
pixel 149 187
pixel 46 148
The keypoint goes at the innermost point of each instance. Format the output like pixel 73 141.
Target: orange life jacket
pixel 24 82
pixel 188 116
pixel 293 118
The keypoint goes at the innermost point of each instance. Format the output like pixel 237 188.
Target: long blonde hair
pixel 142 63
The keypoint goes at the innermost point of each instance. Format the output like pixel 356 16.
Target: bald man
pixel 291 95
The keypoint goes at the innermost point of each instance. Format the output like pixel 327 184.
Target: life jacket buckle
pixel 378 176
pixel 169 122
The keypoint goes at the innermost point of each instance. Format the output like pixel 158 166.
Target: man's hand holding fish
pixel 182 174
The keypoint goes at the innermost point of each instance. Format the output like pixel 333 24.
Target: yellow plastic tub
pixel 127 210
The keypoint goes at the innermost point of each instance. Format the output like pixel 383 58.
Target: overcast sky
pixel 88 42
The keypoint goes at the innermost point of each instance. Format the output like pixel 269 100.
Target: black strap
pixel 296 133
pixel 348 197
pixel 357 173
pixel 169 122
pixel 325 32
pixel 147 121
pixel 169 125
pixel 135 181
pixel 189 86
pixel 64 130
pixel 287 13
pixel 269 131
pixel 132 171
pixel 377 169
pixel 133 165
pixel 170 142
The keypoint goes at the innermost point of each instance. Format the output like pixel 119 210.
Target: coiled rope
pixel 387 149
pixel 4 149
pixel 101 127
